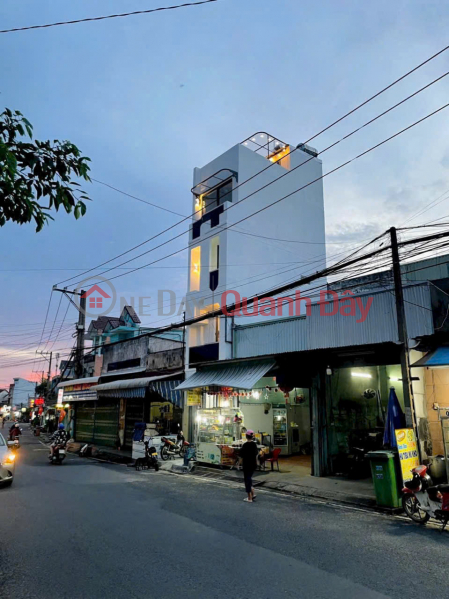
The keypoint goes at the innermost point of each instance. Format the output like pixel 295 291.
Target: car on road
pixel 7 463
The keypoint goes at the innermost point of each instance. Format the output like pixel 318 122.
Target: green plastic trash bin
pixel 385 478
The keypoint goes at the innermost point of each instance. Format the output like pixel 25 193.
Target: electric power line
pixel 138 199
pixel 287 195
pixel 102 18
pixel 271 164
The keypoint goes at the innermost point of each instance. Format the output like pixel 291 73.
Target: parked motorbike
pixel 171 449
pixel 360 443
pixel 150 459
pixel 422 500
pixel 59 455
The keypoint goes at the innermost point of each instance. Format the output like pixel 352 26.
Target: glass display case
pixel 216 426
pixel 280 427
pixel 214 431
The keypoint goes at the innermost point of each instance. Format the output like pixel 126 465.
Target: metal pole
pixel 49 369
pixel 402 333
pixel 80 336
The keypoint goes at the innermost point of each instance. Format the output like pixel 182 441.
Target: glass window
pixel 225 192
pixel 211 200
pixel 195 268
pixel 2 441
pixel 217 196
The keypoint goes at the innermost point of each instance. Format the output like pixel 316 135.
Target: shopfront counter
pixel 215 429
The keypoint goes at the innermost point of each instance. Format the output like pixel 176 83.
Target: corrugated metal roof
pixel 432 268
pixel 134 383
pixel 324 332
pixel 238 376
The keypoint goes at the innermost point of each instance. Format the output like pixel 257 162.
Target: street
pixel 88 529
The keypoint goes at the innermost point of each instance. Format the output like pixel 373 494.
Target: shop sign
pixel 39 401
pixel 408 451
pixel 60 395
pixel 80 387
pixel 193 398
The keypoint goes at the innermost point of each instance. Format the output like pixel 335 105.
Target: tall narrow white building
pixel 238 243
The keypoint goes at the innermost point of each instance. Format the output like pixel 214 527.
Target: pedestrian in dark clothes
pixel 248 459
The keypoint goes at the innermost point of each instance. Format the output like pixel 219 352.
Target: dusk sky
pixel 150 97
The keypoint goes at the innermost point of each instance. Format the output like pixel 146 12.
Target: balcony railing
pixel 264 144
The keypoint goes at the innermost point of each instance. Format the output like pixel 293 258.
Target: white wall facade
pixel 248 263
pixel 23 391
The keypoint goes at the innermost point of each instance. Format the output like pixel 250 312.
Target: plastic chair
pixel 275 458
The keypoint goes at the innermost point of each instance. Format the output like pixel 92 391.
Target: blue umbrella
pixel 395 419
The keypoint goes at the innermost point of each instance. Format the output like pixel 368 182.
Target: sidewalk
pixel 294 477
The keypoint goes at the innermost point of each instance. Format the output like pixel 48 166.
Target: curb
pixel 296 490
pixel 314 493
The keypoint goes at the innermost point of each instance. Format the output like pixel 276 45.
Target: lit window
pixel 218 196
pixel 195 268
pixel 281 155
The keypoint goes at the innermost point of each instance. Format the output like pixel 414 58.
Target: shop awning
pixel 165 386
pixel 242 375
pixel 437 357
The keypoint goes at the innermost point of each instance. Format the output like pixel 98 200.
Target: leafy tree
pixel 36 176
pixel 42 388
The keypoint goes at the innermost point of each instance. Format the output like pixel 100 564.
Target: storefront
pixel 153 400
pixel 356 411
pixel 76 408
pixel 227 400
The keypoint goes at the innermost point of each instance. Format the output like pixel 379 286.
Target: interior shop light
pixel 394 379
pixel 198 418
pixel 361 375
pixel 256 394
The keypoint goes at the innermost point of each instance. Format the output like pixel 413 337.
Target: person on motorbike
pixel 14 431
pixel 59 439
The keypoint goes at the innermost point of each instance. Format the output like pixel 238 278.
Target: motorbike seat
pixel 413 484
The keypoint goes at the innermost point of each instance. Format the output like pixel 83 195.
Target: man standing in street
pixel 248 459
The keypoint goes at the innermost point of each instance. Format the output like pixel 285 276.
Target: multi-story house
pixel 240 243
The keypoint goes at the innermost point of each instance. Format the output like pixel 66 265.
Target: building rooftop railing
pixel 264 144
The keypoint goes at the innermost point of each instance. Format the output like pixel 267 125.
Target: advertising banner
pixel 193 398
pixel 408 451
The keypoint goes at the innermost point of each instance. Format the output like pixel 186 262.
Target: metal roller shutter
pixel 84 422
pixel 106 422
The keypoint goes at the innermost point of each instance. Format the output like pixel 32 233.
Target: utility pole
pixel 79 356
pixel 49 368
pixel 80 327
pixel 402 333
pixel 44 354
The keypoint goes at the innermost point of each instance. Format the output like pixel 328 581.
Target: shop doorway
pixel 284 415
pixel 356 409
pixel 135 412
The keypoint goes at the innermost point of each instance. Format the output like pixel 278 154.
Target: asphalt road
pixel 89 530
